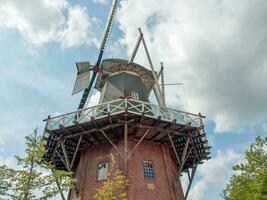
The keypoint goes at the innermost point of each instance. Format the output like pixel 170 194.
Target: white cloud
pixel 77 30
pixel 223 123
pixel 216 170
pixel 102 2
pixel 215 48
pixel 8 161
pixel 44 21
pixel 264 127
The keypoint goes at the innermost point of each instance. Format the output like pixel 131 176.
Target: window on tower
pixel 102 171
pixel 148 170
pixel 134 95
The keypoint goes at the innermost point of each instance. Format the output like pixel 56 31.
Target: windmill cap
pixel 113 66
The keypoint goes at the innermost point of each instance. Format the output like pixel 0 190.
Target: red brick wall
pixel 162 187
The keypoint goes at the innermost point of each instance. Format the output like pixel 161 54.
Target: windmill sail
pixel 83 77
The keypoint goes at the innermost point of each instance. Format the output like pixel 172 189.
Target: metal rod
pixel 162 83
pixel 171 84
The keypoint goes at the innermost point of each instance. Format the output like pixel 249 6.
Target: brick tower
pixel 153 145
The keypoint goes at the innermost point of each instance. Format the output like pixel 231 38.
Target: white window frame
pixel 102 173
pixel 134 95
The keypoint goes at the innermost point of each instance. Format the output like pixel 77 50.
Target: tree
pixel 250 181
pixel 35 179
pixel 7 177
pixel 112 188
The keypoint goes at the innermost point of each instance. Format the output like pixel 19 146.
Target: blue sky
pixel 216 48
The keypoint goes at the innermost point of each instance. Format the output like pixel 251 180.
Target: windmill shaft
pixel 86 92
pixel 104 42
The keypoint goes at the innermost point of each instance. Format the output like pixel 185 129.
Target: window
pixel 102 171
pixel 134 95
pixel 148 170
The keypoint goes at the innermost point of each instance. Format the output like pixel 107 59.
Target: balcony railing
pixel 119 106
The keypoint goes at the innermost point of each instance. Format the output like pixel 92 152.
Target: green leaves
pixel 35 178
pixel 112 188
pixel 250 181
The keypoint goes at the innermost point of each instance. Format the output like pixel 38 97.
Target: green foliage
pixel 112 188
pixel 7 177
pixel 250 181
pixel 35 178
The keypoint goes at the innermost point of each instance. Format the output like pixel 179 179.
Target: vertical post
pixel 125 147
pixel 162 83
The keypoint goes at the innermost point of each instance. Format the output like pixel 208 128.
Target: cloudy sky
pixel 217 48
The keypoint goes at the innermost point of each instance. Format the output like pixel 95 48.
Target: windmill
pixel 152 144
pixel 83 80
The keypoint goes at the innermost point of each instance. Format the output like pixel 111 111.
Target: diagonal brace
pixel 110 141
pixel 141 139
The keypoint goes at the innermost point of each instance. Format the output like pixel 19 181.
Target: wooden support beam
pixel 75 153
pixel 93 120
pixel 110 141
pixel 88 132
pixel 156 87
pixel 136 48
pixel 166 130
pixel 174 149
pixel 185 128
pixel 55 148
pixel 183 160
pixel 125 147
pixel 120 121
pixel 65 155
pixel 154 136
pixel 62 127
pixel 62 159
pixel 190 150
pixel 155 124
pixel 111 122
pixel 190 181
pixel 138 143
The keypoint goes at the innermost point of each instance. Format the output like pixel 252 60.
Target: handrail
pixel 118 106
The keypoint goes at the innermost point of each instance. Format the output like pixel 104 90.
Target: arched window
pixel 102 171
pixel 148 170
